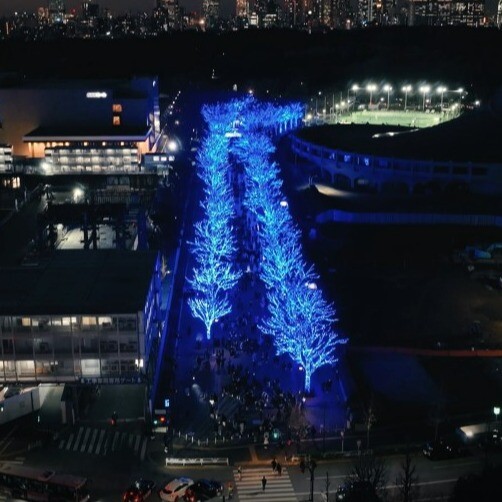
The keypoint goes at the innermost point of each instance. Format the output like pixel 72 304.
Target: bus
pixel 41 485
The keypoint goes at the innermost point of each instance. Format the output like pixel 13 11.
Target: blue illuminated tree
pixel 299 320
pixel 213 247
pixel 212 282
pixel 301 323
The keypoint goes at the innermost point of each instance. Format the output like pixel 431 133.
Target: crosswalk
pixel 277 489
pixel 97 441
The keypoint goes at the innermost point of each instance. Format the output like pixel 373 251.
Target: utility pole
pixel 311 465
pixel 327 484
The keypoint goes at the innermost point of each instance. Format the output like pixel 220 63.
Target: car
pixel 138 491
pixel 440 449
pixel 356 491
pixel 174 490
pixel 203 489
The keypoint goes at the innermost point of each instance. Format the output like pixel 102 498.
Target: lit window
pixel 117 108
pixel 116 120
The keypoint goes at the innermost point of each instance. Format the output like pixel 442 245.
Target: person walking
pixel 263 483
pixel 239 472
pixel 273 464
pixel 279 469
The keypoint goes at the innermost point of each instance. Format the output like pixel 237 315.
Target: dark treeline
pixel 276 59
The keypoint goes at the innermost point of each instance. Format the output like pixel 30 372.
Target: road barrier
pixel 197 461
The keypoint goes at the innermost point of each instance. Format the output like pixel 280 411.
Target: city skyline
pixel 116 6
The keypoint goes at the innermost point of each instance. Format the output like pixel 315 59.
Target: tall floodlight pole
pixel 441 90
pixel 354 88
pixel 424 89
pixel 406 89
pixel 387 88
pixel 371 88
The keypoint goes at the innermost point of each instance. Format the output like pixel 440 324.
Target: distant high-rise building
pixel 242 8
pixel 56 11
pixel 467 12
pixel 211 12
pixel 172 12
pixel 90 10
pixel 341 13
pixel 448 12
pixel 370 11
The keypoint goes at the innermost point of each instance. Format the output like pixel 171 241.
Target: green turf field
pixel 378 117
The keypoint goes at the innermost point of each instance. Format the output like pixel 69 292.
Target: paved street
pixel 277 488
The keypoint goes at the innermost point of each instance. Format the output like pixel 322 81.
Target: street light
pixel 387 88
pixel 460 91
pixel 424 89
pixel 441 90
pixel 371 88
pixel 354 89
pixel 406 89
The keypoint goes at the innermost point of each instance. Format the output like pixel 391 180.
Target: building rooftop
pixel 78 282
pixel 88 133
pixel 473 137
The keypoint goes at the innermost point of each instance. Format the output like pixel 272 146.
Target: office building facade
pixel 81 317
pixel 81 126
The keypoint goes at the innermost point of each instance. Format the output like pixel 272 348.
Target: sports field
pixel 410 118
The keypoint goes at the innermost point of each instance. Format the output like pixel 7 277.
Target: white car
pixel 175 489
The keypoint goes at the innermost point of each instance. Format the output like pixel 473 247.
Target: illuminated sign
pixel 96 95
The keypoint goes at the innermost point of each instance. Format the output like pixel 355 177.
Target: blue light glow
pixel 299 320
pixel 213 247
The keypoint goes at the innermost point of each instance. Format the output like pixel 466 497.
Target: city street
pixel 112 470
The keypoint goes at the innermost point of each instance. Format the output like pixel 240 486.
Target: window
pixel 116 120
pixel 117 108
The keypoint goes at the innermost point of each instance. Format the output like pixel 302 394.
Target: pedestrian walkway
pixel 95 441
pixel 277 489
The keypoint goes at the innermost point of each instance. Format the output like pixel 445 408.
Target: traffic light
pixel 160 418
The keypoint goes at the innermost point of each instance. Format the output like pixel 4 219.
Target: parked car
pixel 174 490
pixel 138 491
pixel 203 489
pixel 356 491
pixel 440 449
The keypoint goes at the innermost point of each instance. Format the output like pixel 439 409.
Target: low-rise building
pixel 80 316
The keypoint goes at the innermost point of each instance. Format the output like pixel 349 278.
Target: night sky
pixel 116 6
